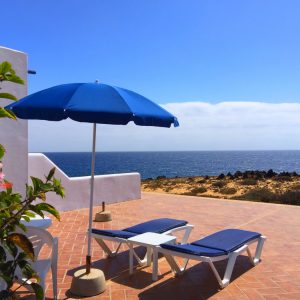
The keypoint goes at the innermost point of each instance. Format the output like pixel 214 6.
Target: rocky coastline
pixel 262 186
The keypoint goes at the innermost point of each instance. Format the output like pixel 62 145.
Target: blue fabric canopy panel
pixel 92 103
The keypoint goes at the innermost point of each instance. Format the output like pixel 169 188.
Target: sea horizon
pixel 149 151
pixel 151 164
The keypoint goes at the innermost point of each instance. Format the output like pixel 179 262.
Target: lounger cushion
pixel 156 226
pixel 194 250
pixel 114 233
pixel 227 240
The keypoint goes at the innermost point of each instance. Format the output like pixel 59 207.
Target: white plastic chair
pixel 40 237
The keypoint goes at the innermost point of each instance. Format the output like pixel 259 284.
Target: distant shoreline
pixel 172 164
pixel 260 186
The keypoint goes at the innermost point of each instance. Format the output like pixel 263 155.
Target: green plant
pixel 219 184
pixel 198 190
pixel 160 177
pixel 283 178
pixel 201 181
pixel 249 181
pixel 12 209
pixel 290 197
pixel 228 191
pixel 7 73
pixel 221 176
pixel 259 194
pixel 294 187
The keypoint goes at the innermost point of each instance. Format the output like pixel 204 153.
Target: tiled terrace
pixel 276 277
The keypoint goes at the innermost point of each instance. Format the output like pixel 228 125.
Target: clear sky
pixel 173 52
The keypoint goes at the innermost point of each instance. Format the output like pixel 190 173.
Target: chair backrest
pixel 39 237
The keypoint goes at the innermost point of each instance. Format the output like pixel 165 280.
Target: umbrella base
pixel 88 285
pixel 103 216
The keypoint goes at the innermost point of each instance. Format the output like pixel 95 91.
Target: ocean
pixel 176 163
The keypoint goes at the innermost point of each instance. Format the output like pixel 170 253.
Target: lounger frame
pixel 141 261
pixel 177 269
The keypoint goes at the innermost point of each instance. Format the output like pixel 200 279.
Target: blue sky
pixel 170 51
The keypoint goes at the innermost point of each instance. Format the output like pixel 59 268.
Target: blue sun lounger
pixel 164 226
pixel 225 244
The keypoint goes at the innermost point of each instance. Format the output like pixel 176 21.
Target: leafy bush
pixel 290 197
pixel 196 191
pixel 283 178
pixel 199 190
pixel 230 176
pixel 271 174
pixel 238 174
pixel 259 194
pixel 228 191
pixel 219 184
pixel 201 181
pixel 147 179
pixel 295 187
pixel 155 184
pixel 249 181
pixel 221 176
pixel 172 183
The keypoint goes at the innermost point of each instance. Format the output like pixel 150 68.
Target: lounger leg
pixel 154 264
pixel 173 264
pixel 256 258
pixel 146 261
pixel 216 273
pixel 130 258
pixel 149 255
pixel 229 268
pixel 106 249
pixel 250 256
pixel 187 234
pixel 259 249
pixel 140 261
pixel 185 263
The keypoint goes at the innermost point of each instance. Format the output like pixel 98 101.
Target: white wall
pixel 14 134
pixel 109 188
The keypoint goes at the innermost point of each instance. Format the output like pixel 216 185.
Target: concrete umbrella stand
pixel 104 215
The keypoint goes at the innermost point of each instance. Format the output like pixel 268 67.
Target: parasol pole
pixel 88 257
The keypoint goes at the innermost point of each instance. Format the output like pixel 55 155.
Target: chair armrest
pixel 187 231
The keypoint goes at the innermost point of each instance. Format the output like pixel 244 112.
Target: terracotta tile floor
pixel 276 277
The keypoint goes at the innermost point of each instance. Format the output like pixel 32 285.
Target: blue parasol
pixel 92 103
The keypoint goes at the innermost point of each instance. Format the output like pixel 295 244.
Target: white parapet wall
pixel 14 134
pixel 109 188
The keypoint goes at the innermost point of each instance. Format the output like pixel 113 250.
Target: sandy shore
pixel 251 185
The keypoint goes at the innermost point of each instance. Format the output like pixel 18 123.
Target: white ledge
pixel 109 188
